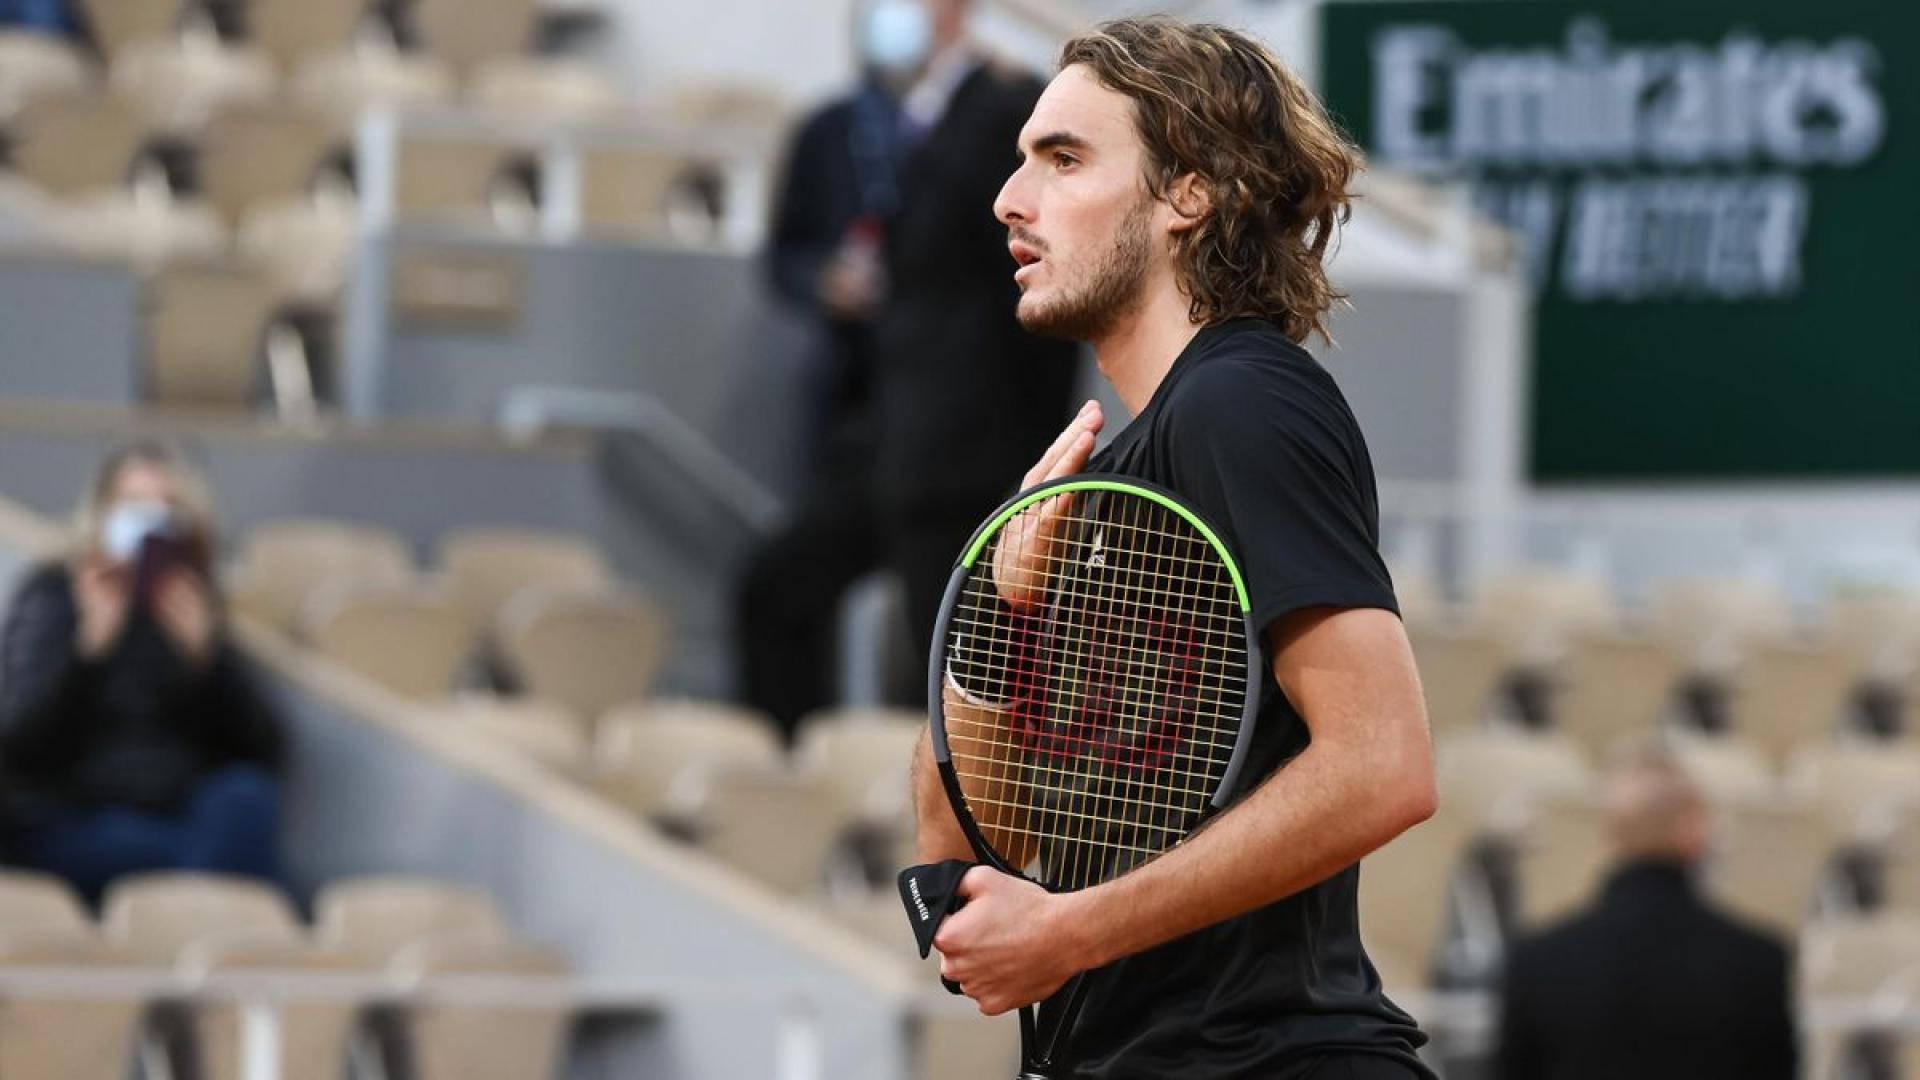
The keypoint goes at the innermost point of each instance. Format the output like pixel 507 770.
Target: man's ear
pixel 1190 202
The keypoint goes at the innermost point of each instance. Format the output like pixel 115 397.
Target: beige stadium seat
pixel 865 754
pixel 452 1040
pixel 1729 770
pixel 115 24
pixel 206 328
pixel 1768 862
pixel 32 64
pixel 956 1044
pixel 281 562
pixel 486 565
pixel 1879 629
pixel 636 190
pixel 655 755
pixel 1495 776
pixel 588 649
pixel 409 639
pixel 179 84
pixel 1857 956
pixel 1562 858
pixel 461 179
pixel 1614 687
pixel 35 901
pixel 89 1035
pixel 1405 890
pixel 142 226
pixel 544 731
pixel 568 90
pixel 466 32
pixel 773 825
pixel 71 142
pixel 1535 611
pixel 1716 618
pixel 1785 695
pixel 1863 787
pixel 306 245
pixel 312 1034
pixel 292 30
pixel 255 155
pixel 1901 861
pixel 347 82
pixel 377 917
pixel 1461 671
pixel 1423 601
pixel 156 916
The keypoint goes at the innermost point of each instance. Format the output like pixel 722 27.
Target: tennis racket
pixel 1091 693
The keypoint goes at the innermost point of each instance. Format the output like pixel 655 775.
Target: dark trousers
pixel 923 543
pixel 1346 1065
pixel 229 825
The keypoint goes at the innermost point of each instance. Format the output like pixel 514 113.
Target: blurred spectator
pixel 130 737
pixel 965 398
pixel 842 182
pixel 1650 982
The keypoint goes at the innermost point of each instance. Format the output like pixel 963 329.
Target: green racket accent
pixel 993 527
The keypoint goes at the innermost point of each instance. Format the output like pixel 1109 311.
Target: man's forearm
pixel 938 834
pixel 1321 813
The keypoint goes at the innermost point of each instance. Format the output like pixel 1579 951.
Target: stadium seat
pixel 773 825
pixel 544 731
pixel 1768 861
pixel 1496 775
pixel 142 226
pixel 88 1036
pixel 1423 601
pixel 346 83
pixel 206 329
pixel 1729 770
pixel 486 565
pixel 410 639
pixel 864 755
pixel 306 244
pixel 1857 955
pixel 255 155
pixel 71 142
pixel 561 90
pixel 290 31
pixel 1535 611
pixel 1613 687
pixel 1879 629
pixel 1787 694
pixel 1860 785
pixel 636 190
pixel 1405 891
pixel 1461 670
pixel 35 901
pixel 588 649
pixel 1901 861
pixel 957 1044
pixel 1561 858
pixel 378 916
pixel 466 32
pixel 280 563
pixel 312 1034
pixel 1714 619
pixel 452 1040
pixel 179 84
pixel 156 916
pixel 32 64
pixel 115 24
pixel 651 756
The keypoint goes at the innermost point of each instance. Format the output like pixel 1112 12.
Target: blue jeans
pixel 229 825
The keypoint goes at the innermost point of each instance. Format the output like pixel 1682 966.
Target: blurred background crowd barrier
pixel 462 311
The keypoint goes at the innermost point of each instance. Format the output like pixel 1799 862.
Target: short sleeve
pixel 1268 451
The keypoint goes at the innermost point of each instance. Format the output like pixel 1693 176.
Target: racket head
pixel 1098 722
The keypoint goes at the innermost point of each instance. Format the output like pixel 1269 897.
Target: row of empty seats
pixel 82 999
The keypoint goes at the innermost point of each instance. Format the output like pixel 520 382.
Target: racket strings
pixel 1099 722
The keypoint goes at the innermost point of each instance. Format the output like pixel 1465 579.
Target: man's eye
pixel 1064 160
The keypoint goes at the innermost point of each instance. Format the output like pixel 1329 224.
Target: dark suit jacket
pixel 968 400
pixel 1648 984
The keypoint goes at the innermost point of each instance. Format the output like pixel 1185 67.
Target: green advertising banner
pixel 1719 206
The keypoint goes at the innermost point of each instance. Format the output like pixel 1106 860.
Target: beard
pixel 1109 290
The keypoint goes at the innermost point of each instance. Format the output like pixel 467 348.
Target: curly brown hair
pixel 1212 102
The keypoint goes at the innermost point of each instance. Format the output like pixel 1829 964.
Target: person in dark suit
pixel 965 397
pixel 1651 982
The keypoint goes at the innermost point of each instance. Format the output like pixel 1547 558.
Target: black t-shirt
pixel 1253 434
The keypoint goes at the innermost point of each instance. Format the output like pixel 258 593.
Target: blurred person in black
pixel 131 738
pixel 1650 982
pixel 842 182
pixel 965 396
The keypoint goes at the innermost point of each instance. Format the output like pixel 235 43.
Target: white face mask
pixel 897 35
pixel 129 524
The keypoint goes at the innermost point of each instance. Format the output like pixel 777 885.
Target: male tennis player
pixel 1176 192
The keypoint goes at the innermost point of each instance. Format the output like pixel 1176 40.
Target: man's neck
pixel 1142 347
